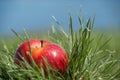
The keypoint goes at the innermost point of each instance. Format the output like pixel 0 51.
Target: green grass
pixel 90 56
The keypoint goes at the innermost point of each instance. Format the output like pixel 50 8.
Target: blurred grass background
pixel 112 36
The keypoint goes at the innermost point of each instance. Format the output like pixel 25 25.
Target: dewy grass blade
pixel 71 30
pixel 5 47
pixel 28 39
pixel 92 24
pixel 106 42
pixel 80 21
pixel 88 23
pixel 17 34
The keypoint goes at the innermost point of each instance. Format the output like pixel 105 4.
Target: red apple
pixel 40 49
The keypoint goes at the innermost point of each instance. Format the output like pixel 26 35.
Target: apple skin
pixel 41 50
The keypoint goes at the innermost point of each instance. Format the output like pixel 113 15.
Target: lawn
pixel 93 55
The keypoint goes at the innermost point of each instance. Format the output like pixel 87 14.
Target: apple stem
pixel 41 43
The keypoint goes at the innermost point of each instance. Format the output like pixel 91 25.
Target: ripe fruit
pixel 40 49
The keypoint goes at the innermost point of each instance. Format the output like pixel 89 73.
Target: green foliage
pixel 89 57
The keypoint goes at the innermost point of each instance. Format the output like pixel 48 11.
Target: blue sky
pixel 37 14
